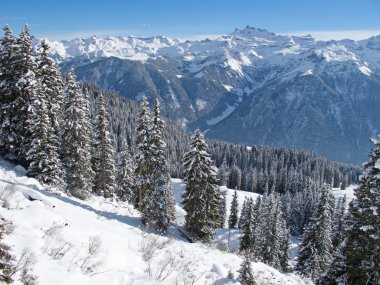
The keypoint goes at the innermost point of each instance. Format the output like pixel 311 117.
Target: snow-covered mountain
pixel 58 230
pixel 250 86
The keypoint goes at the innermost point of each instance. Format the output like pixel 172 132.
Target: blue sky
pixel 67 19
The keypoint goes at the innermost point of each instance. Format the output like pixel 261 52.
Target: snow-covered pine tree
pixel 143 153
pixel 247 238
pixel 21 88
pixel 171 202
pixel 223 173
pixel 271 235
pixel 233 218
pixel 152 171
pixel 358 259
pixel 45 163
pixel 155 198
pixel 125 175
pixel 243 213
pixel 222 209
pixel 104 167
pixel 338 218
pixel 8 134
pixel 76 141
pixel 246 276
pixel 201 199
pixel 50 76
pixel 315 250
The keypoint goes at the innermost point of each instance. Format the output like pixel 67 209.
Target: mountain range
pixel 249 87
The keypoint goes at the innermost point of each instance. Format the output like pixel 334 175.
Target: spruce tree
pixel 233 219
pixel 201 199
pixel 271 235
pixel 246 276
pixel 76 139
pixel 315 250
pixel 8 133
pixel 45 163
pixel 155 199
pixel 247 238
pixel 357 260
pixel 143 153
pixel 243 213
pixel 43 154
pixel 18 87
pixel 337 225
pixel 125 175
pixel 50 76
pixel 222 209
pixel 104 155
pixel 26 87
pixel 171 202
pixel 223 173
pixel 155 196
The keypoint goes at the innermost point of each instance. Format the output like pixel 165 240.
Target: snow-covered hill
pixel 58 230
pixel 249 87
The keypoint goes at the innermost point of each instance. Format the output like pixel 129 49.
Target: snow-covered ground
pixel 55 221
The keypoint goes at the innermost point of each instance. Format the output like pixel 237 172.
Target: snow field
pixel 54 221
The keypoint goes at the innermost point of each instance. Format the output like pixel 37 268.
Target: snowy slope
pixel 122 238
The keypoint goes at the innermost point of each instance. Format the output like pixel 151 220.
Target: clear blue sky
pixel 187 18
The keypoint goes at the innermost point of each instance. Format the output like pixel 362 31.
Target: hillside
pixel 49 221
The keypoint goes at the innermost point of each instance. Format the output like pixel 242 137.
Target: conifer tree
pixel 223 173
pixel 104 155
pixel 222 209
pixel 50 76
pixel 233 219
pixel 152 172
pixel 243 213
pixel 76 141
pixel 18 87
pixel 43 154
pixel 271 235
pixel 201 199
pixel 247 237
pixel 315 249
pixel 45 163
pixel 143 153
pixel 246 276
pixel 155 200
pixel 358 259
pixel 125 175
pixel 8 133
pixel 171 202
pixel 337 225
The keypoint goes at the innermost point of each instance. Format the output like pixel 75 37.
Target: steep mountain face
pixel 250 86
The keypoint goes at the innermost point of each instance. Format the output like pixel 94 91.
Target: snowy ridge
pixel 243 47
pixel 118 228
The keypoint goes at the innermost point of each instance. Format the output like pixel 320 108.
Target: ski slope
pixel 52 220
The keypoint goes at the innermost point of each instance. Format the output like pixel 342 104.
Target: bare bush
pixel 186 275
pixel 150 245
pixel 92 260
pixel 164 267
pixel 55 246
pixel 24 266
pixel 6 194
